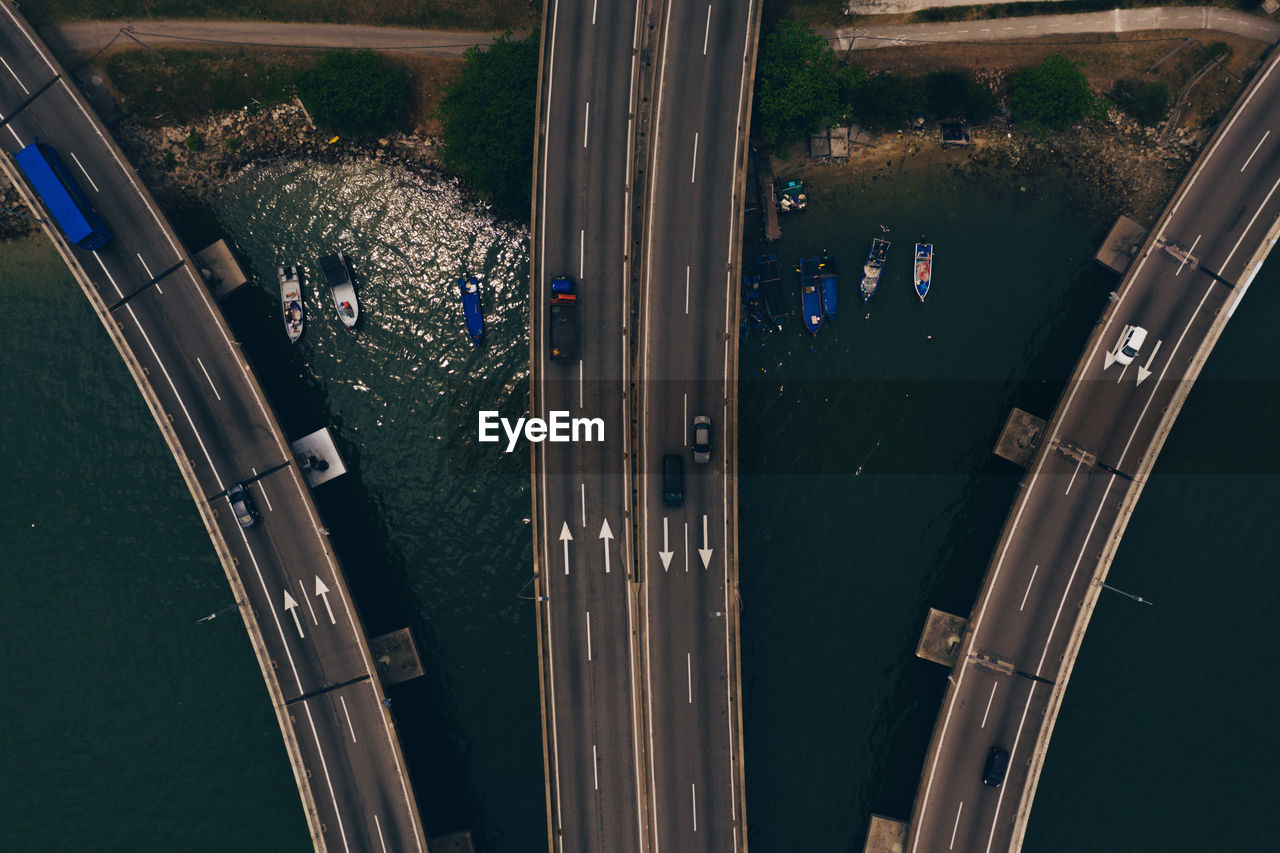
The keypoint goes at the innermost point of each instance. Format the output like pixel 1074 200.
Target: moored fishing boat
pixel 827 286
pixel 469 289
pixel 874 264
pixel 810 298
pixel 338 275
pixel 923 269
pixel 769 272
pixel 752 317
pixel 291 301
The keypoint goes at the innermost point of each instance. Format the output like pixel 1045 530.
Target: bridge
pixel 1081 488
pixel 640 172
pixel 305 631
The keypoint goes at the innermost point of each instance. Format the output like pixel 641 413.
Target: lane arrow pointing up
pixel 566 537
pixel 705 551
pixel 292 606
pixel 323 592
pixel 606 534
pixel 666 553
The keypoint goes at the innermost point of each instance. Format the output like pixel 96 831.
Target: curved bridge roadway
pixel 305 631
pixel 1076 499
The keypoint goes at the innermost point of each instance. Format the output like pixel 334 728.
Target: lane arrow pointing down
pixel 705 551
pixel 1144 372
pixel 666 553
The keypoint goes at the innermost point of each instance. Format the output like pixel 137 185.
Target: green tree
pixel 1052 96
pixel 798 85
pixel 488 116
pixel 356 92
pixel 886 100
pixel 1147 102
pixel 956 94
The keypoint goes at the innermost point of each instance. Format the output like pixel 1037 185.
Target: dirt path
pixel 86 37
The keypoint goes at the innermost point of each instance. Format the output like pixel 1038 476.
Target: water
pixel 868 494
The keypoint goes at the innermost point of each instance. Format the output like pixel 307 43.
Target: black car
pixel 242 505
pixel 672 480
pixel 997 766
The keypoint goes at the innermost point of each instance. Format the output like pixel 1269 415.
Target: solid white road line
pixel 584 505
pixel 686 290
pixel 686 547
pixel 1029 583
pixel 378 824
pixel 586 122
pixel 594 4
pixel 208 379
pixel 684 434
pixel 1255 150
pixel 84 170
pixel 693 792
pixel 688 667
pixel 350 727
pixel 706 36
pixel 1187 256
pixel 582 252
pixel 693 175
pixel 262 489
pixel 595 765
pixel 987 712
pixel 325 766
pixel 580 383
pixel 21 144
pixel 588 635
pixel 24 85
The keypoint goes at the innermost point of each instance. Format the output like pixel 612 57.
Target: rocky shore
pixel 1116 166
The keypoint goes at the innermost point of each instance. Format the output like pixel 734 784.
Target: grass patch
pixel 190 84
pixel 487 15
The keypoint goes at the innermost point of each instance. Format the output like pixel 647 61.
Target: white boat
pixel 338 275
pixel 291 301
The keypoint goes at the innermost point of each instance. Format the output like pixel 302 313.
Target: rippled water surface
pixel 868 494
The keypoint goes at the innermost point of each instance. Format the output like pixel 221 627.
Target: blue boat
pixel 827 286
pixel 469 289
pixel 923 272
pixel 810 296
pixel 769 274
pixel 871 269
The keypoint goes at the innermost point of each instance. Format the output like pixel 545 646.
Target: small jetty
pixel 769 274
pixel 768 198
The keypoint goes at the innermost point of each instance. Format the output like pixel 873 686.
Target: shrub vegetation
pixel 1052 96
pixel 356 92
pixel 487 122
pixel 1147 102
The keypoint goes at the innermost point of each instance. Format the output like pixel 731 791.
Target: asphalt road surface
pixel 1060 525
pixel 690 316
pixel 581 490
pixel 165 313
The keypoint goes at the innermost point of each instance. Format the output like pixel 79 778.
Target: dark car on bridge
pixel 672 480
pixel 997 766
pixel 242 505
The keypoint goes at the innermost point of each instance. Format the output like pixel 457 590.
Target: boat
pixel 752 316
pixel 291 301
pixel 810 298
pixel 923 271
pixel 469 289
pixel 338 274
pixel 769 272
pixel 827 286
pixel 792 198
pixel 871 269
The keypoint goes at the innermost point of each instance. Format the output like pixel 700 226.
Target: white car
pixel 1130 344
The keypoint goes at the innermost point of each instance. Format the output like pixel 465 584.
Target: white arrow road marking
pixel 666 553
pixel 1108 359
pixel 705 551
pixel 566 537
pixel 1144 372
pixel 323 592
pixel 606 534
pixel 292 606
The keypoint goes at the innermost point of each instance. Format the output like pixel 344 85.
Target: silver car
pixel 242 505
pixel 701 440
